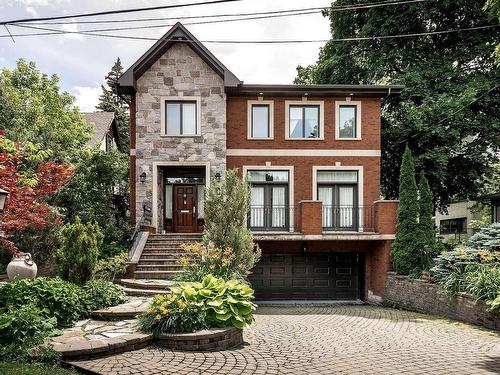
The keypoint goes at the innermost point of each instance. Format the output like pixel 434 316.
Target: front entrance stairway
pixel 159 259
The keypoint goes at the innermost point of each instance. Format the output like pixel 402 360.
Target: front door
pixel 184 208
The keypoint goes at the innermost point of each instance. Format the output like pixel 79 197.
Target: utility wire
pixel 469 104
pixel 119 11
pixel 324 8
pixel 374 37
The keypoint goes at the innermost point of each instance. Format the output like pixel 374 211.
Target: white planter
pixel 21 267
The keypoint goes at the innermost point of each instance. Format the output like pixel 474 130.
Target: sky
pixel 82 61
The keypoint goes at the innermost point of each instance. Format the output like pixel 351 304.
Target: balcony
pixel 314 221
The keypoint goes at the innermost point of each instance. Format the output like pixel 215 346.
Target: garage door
pixel 322 276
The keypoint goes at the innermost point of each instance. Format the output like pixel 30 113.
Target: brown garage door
pixel 322 276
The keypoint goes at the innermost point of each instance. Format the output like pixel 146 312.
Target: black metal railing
pixel 348 218
pixel 274 218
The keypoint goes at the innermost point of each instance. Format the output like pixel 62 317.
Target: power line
pixel 326 8
pixel 469 104
pixel 119 11
pixel 374 37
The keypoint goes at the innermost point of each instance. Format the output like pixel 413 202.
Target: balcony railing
pixel 348 218
pixel 275 218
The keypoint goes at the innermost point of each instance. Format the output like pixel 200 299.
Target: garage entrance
pixel 311 276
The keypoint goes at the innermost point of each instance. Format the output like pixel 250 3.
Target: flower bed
pixel 205 340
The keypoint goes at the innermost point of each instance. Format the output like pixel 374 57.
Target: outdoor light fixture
pixel 142 177
pixel 217 176
pixel 3 198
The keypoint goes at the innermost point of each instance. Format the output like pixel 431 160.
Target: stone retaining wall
pixel 418 295
pixel 206 340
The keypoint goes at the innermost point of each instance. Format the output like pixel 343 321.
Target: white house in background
pixel 456 224
pixel 105 136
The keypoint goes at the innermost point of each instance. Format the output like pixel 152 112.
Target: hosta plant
pixel 192 306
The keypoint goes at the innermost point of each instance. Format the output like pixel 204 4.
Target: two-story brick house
pixel 311 154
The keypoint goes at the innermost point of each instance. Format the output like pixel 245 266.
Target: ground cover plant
pixel 213 302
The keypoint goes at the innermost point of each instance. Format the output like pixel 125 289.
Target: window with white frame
pixel 180 117
pixel 348 120
pixel 260 121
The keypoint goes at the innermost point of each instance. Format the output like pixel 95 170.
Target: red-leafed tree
pixel 31 182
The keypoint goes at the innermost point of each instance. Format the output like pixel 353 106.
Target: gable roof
pixel 177 34
pixel 102 122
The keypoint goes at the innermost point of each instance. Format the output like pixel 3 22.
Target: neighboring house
pixel 105 135
pixel 493 200
pixel 455 225
pixel 311 153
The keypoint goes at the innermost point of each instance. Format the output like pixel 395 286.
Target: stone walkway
pixel 328 340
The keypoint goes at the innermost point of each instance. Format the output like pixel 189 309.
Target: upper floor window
pixel 304 120
pixel 348 120
pixel 180 117
pixel 260 119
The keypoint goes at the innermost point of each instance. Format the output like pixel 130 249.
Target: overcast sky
pixel 82 61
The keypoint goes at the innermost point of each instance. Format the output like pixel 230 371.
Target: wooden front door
pixel 184 208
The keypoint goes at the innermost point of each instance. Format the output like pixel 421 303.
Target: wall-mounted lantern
pixel 217 176
pixel 142 177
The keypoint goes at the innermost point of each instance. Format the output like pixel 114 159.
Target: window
pixel 452 226
pixel 180 116
pixel 269 207
pixel 304 121
pixel 338 190
pixel 260 119
pixel 348 120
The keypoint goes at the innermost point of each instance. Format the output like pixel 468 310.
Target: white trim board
pixel 156 164
pixel 300 152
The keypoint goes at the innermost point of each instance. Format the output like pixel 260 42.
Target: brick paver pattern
pixel 328 340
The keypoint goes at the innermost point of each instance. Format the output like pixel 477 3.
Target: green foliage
pixel 200 260
pixel 110 101
pixel 77 257
pixel 100 294
pixel 21 368
pixel 494 305
pixel 111 268
pixel 192 306
pixel 455 141
pixel 22 328
pixel 487 238
pixel 405 247
pixel 226 209
pixel 52 296
pixel 90 193
pixel 33 109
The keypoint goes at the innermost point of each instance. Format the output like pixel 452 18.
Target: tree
pixel 77 257
pixel 90 194
pixel 427 234
pixel 226 208
pixel 110 101
pixel 493 7
pixel 449 112
pixel 33 109
pixel 31 181
pixel 406 244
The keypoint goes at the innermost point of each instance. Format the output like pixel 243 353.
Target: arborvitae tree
pixel 226 209
pixel 405 246
pixel 110 101
pixel 426 210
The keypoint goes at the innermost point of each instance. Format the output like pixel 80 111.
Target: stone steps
pixel 143 292
pixel 162 285
pixel 160 261
pixel 158 267
pixel 164 275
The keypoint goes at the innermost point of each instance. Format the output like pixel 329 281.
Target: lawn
pixel 15 368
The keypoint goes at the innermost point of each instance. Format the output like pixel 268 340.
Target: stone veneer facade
pixel 179 72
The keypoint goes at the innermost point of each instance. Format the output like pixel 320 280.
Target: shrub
pixel 226 209
pixel 487 238
pixel 494 305
pixel 109 269
pixel 111 249
pixel 79 251
pixel 22 328
pixel 100 294
pixel 53 296
pixel 213 302
pixel 200 260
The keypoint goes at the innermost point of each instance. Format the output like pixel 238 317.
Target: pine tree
pixel 426 210
pixel 404 246
pixel 110 101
